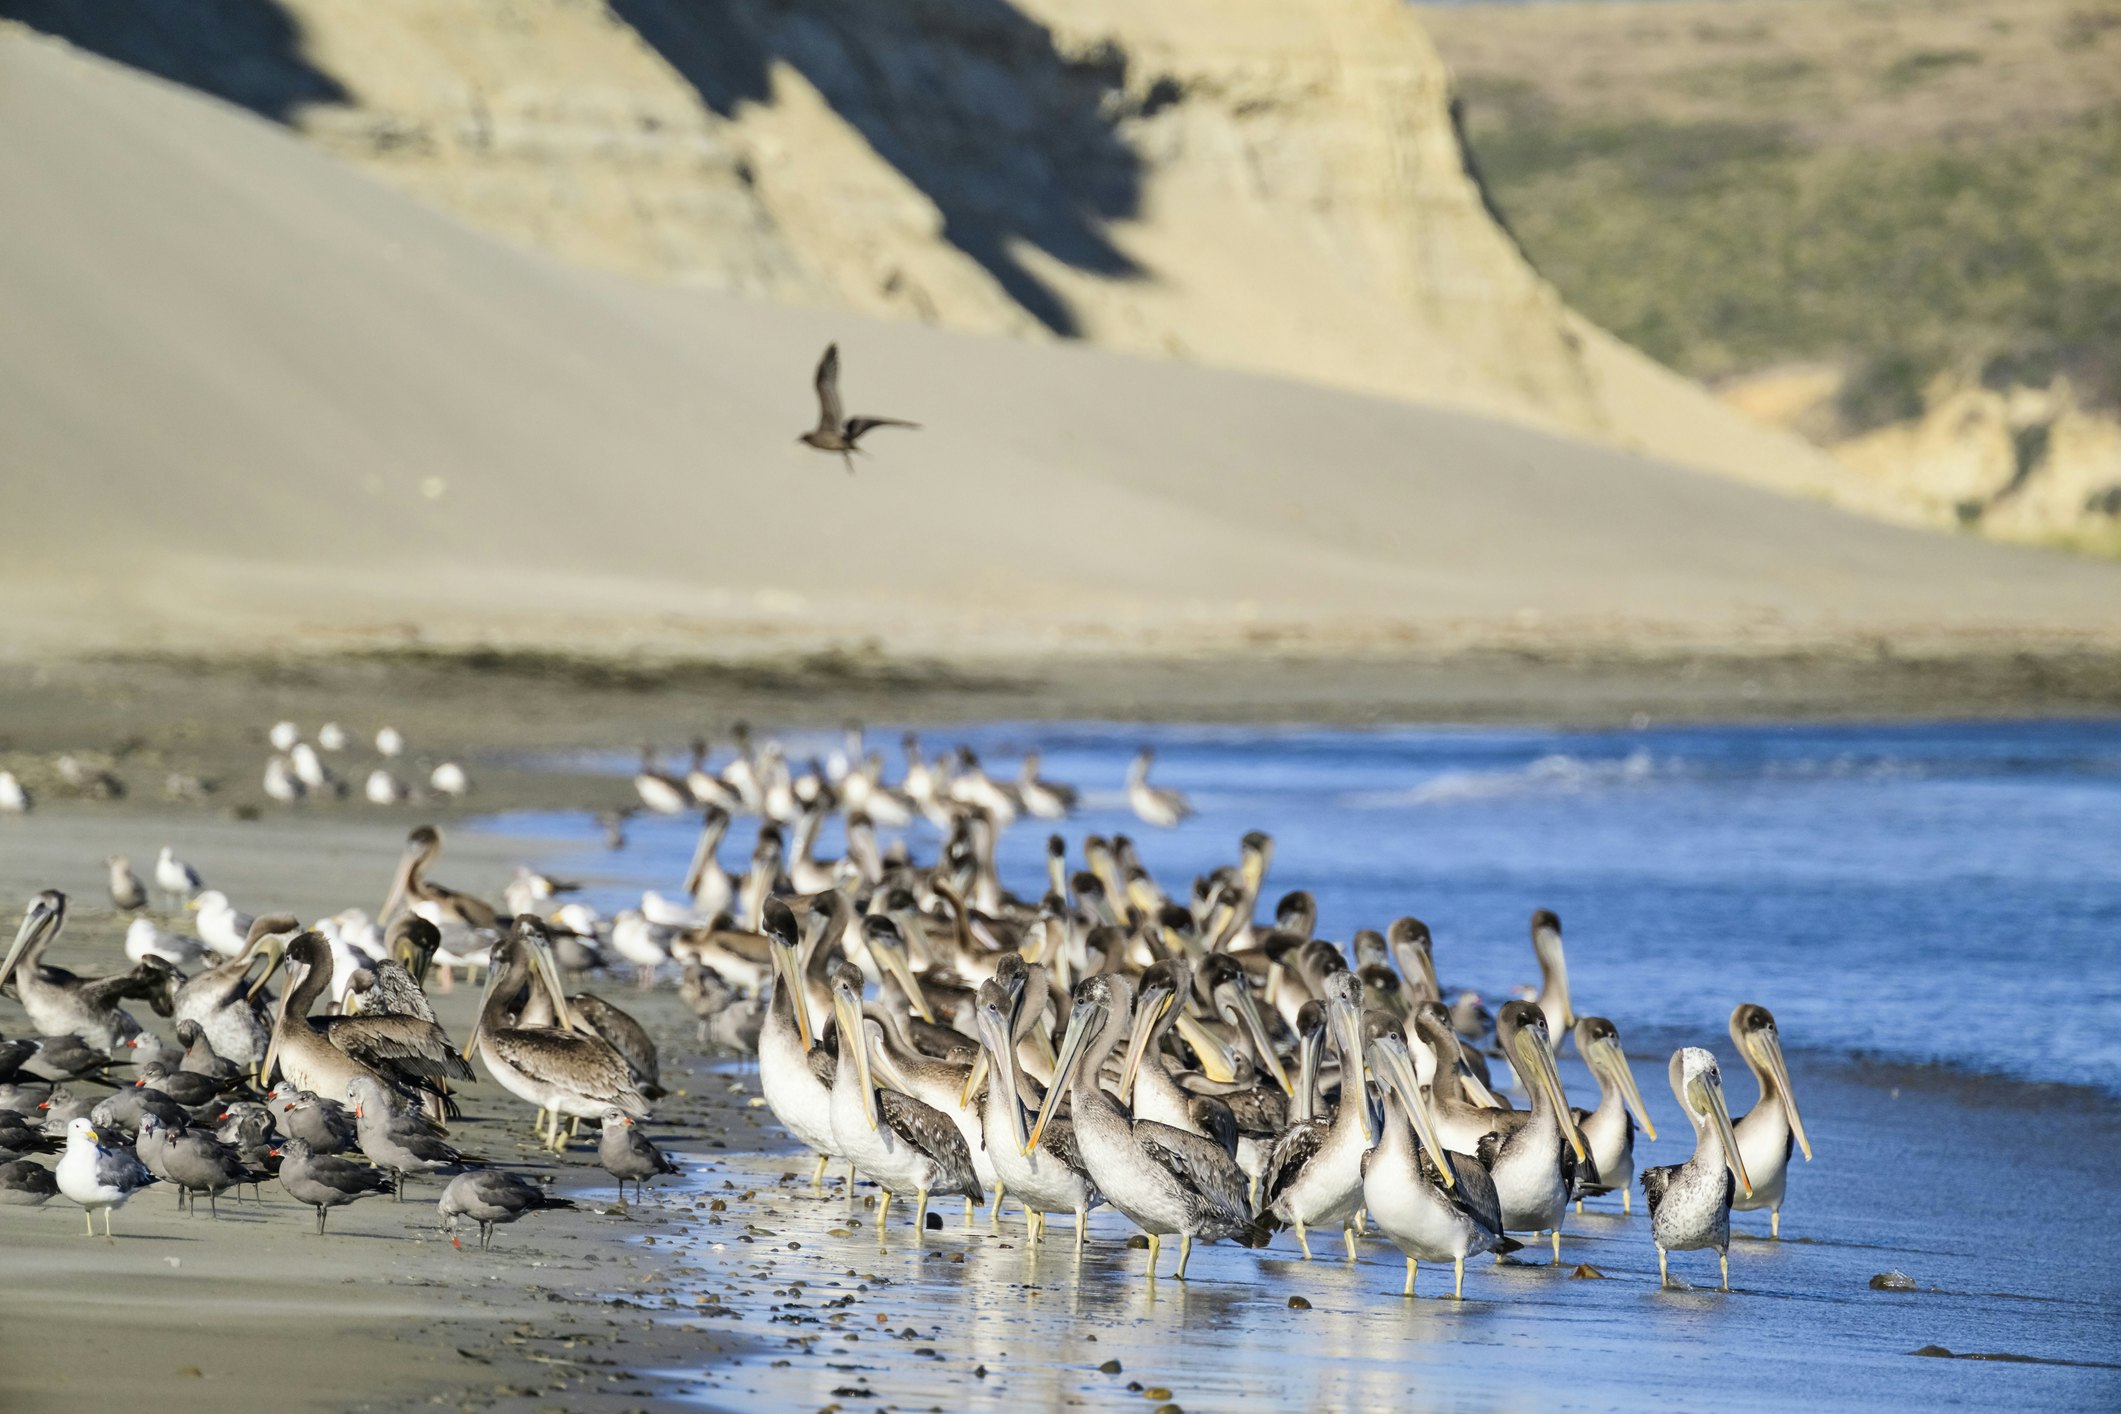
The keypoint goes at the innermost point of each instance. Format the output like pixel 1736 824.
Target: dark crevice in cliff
pixel 969 100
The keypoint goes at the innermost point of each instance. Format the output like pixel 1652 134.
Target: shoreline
pixel 778 1299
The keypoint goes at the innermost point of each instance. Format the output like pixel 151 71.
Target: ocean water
pixel 1933 894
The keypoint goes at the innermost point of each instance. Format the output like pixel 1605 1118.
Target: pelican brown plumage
pixel 1767 1132
pixel 326 1054
pixel 1690 1203
pixel 60 1003
pixel 554 1068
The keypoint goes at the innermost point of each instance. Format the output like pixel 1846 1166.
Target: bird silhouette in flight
pixel 835 431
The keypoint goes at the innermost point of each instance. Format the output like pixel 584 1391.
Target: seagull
pixel 835 431
pixel 97 1175
pixel 174 877
pixel 14 800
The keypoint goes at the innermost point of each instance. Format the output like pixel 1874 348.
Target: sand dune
pixel 248 396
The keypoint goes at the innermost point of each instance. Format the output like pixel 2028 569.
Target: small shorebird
pixel 490 1197
pixel 325 1181
pixel 835 431
pixel 624 1152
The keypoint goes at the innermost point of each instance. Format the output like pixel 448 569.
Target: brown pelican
pixel 664 794
pixel 795 1074
pixel 60 1003
pixel 221 1000
pixel 1534 1166
pixel 1768 1131
pixel 1166 1180
pixel 1609 1130
pixel 835 431
pixel 1048 1177
pixel 489 1198
pixel 1690 1203
pixel 897 1140
pixel 326 1054
pixel 624 1152
pixel 554 1068
pixel 96 1175
pixel 1154 804
pixel 440 906
pixel 1144 1081
pixel 1313 1174
pixel 325 1181
pixel 1553 999
pixel 1430 1203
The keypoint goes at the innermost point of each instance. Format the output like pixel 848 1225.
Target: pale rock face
pixel 1255 184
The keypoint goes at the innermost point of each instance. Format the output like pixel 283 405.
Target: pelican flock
pixel 1193 1056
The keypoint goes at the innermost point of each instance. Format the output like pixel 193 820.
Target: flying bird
pixel 835 431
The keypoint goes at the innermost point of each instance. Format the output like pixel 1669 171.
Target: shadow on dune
pixel 969 100
pixel 247 52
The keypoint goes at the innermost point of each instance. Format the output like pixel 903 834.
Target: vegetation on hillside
pixel 1898 189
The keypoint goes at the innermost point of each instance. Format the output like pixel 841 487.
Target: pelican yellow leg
pixel 1579 1207
pixel 969 1206
pixel 1348 1235
pixel 1627 1201
pixel 883 1215
pixel 1774 1223
pixel 1412 1267
pixel 1155 1248
pixel 1185 1253
pixel 1303 1241
pixel 920 1215
pixel 1663 1277
pixel 817 1179
pixel 994 1212
pixel 1557 1247
pixel 1082 1222
pixel 1458 1283
pixel 1723 1259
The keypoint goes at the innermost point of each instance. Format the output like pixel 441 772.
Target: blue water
pixel 1933 893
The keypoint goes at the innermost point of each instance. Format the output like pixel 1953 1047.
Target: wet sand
pixel 1989 1195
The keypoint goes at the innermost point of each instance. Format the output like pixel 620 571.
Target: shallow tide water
pixel 1944 899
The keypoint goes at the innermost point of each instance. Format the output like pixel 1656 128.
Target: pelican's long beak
pixel 1708 1093
pixel 1771 1056
pixel 790 980
pixel 279 1025
pixel 548 968
pixel 1304 1103
pixel 854 1045
pixel 272 948
pixel 1239 1007
pixel 1615 1061
pixel 1347 1019
pixel 399 883
pixel 994 1032
pixel 890 959
pixel 35 919
pixel 1396 1069
pixel 1080 1021
pixel 1149 1010
pixel 1535 1063
pixel 1215 1060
